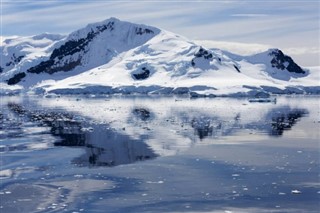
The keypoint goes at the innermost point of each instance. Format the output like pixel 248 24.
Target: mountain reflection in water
pixel 276 121
pixel 109 148
pixel 284 119
pixel 61 154
pixel 146 133
pixel 103 147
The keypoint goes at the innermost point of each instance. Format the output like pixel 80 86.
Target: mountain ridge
pixel 115 56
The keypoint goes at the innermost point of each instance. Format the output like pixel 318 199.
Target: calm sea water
pixel 152 154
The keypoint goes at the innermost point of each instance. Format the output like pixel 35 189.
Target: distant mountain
pixel 114 56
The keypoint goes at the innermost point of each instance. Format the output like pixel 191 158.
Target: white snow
pixel 10 90
pixel 32 49
pixel 122 61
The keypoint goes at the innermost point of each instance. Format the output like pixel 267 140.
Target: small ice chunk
pixel 295 191
pixel 86 129
pixel 7 173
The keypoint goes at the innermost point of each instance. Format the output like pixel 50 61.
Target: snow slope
pixel 120 57
pixel 20 53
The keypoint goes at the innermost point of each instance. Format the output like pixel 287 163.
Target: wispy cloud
pixel 250 15
pixel 285 24
pixel 302 50
pixel 235 47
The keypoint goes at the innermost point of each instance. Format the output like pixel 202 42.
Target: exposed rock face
pixel 84 49
pixel 70 48
pixel 117 57
pixel 202 53
pixel 143 75
pixel 16 78
pixel 237 68
pixel 14 60
pixel 140 31
pixel 282 62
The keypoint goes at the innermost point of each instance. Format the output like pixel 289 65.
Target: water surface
pixel 152 154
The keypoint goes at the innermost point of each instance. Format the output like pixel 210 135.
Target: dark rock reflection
pixel 142 113
pixel 202 127
pixel 103 147
pixel 284 119
pixel 276 121
pixel 61 124
pixel 106 146
pixel 109 148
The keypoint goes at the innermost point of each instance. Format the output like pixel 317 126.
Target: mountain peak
pixel 114 56
pixel 282 62
pixel 115 26
pixel 94 45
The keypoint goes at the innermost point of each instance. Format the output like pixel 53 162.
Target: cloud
pixel 302 50
pixel 304 56
pixel 235 47
pixel 251 15
pixel 272 23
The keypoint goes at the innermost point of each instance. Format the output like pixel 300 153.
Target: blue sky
pixel 290 25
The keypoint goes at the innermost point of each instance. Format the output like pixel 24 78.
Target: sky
pixel 290 25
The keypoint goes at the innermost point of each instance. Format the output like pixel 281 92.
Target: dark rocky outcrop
pixel 140 31
pixel 48 67
pixel 69 48
pixel 203 53
pixel 73 46
pixel 237 68
pixel 14 60
pixel 8 64
pixel 280 60
pixel 16 78
pixel 142 75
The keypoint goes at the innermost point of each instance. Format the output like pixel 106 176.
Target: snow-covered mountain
pixel 20 53
pixel 114 56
